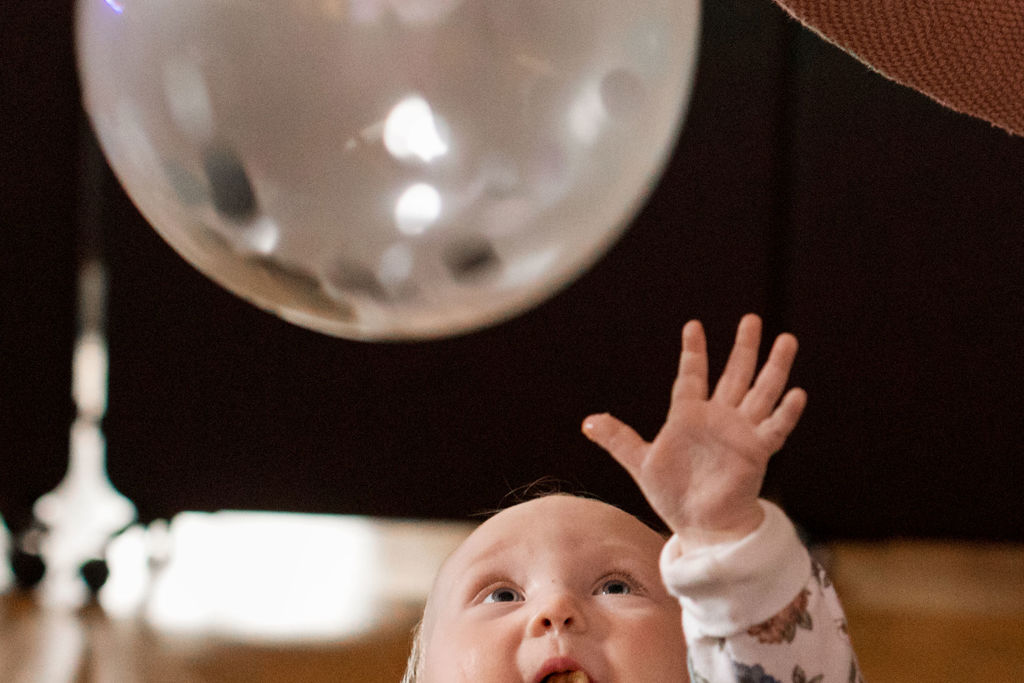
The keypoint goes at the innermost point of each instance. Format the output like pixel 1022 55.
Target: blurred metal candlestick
pixel 84 511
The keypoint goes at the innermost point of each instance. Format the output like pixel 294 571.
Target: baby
pixel 563 589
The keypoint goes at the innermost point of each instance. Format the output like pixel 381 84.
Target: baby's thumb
pixel 618 438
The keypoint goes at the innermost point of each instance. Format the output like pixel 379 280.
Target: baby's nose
pixel 558 613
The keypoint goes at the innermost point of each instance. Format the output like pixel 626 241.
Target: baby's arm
pixel 754 605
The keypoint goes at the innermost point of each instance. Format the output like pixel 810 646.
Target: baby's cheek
pixel 656 647
pixel 448 666
pixel 469 655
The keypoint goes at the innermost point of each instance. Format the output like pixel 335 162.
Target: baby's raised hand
pixel 703 472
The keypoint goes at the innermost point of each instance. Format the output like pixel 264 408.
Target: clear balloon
pixel 388 169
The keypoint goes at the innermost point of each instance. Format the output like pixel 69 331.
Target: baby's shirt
pixel 760 609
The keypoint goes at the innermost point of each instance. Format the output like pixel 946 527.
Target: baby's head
pixel 556 584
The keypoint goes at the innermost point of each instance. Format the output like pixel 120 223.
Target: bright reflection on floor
pixel 273 577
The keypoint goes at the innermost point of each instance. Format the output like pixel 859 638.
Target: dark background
pixel 882 229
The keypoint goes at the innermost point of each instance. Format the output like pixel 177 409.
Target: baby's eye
pixel 504 594
pixel 616 587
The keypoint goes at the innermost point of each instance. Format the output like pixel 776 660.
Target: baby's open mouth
pixel 567 677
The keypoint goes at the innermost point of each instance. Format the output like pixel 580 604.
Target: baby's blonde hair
pixel 413 666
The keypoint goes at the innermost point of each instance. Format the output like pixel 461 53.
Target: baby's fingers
pixel 692 379
pixel 771 381
pixel 774 430
pixel 618 438
pixel 739 370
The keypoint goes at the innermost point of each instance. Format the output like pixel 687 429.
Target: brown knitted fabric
pixel 967 54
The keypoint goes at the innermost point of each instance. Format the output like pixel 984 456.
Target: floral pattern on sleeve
pixel 806 642
pixel 782 627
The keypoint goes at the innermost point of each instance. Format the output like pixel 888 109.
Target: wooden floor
pixel 918 612
pixel 931 611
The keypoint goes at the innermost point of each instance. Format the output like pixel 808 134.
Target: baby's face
pixel 558 584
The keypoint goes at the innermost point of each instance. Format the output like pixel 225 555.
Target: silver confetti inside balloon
pixel 388 169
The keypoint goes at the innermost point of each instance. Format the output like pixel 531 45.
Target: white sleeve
pixel 759 609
